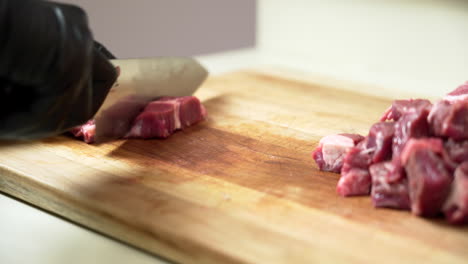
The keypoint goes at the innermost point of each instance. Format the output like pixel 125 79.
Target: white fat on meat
pixel 334 147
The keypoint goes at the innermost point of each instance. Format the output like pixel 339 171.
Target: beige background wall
pixel 411 45
pixel 142 28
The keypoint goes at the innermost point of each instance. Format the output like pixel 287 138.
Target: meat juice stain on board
pixel 239 164
pixel 262 161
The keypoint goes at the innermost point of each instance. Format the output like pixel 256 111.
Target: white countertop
pixel 29 235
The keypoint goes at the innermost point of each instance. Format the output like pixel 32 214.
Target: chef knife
pixel 141 81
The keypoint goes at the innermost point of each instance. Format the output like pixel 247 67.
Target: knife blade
pixel 141 81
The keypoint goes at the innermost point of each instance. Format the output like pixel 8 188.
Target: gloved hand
pixel 53 76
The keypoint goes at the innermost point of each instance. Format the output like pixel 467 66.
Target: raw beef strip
pixel 429 180
pixel 331 149
pixel 163 117
pixel 386 193
pixel 86 131
pixel 450 119
pixel 401 107
pixel 159 119
pixel 457 150
pixel 456 206
pixel 355 177
pixel 380 141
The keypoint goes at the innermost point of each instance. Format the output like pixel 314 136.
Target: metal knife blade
pixel 141 81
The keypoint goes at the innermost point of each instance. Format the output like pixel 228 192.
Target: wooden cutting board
pixel 240 187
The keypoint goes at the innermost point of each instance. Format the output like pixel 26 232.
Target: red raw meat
pixel 433 144
pixel 410 125
pixel 449 116
pixel 86 131
pixel 331 149
pixel 380 141
pixel 402 107
pixel 457 150
pixel 156 120
pixel 461 93
pixel 456 206
pixel 355 177
pixel 388 193
pixel 429 182
pixel 354 182
pixel 163 117
pixel 159 119
pixel 408 160
pixel 191 111
pixel 450 119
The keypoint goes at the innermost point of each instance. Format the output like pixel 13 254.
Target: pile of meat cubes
pixel 415 158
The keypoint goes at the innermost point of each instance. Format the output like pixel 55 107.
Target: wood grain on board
pixel 241 187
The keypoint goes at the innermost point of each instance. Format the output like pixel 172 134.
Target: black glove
pixel 53 76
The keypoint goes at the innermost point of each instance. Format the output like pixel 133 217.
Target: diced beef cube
pixel 354 182
pixel 163 117
pixel 456 206
pixel 402 107
pixel 411 122
pixel 380 140
pixel 386 193
pixel 437 116
pixel 433 144
pixel 86 131
pixel 355 177
pixel 457 150
pixel 117 120
pixel 410 125
pixel 191 111
pixel 331 149
pixel 429 181
pixel 157 120
pixel 450 119
pixel 355 137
